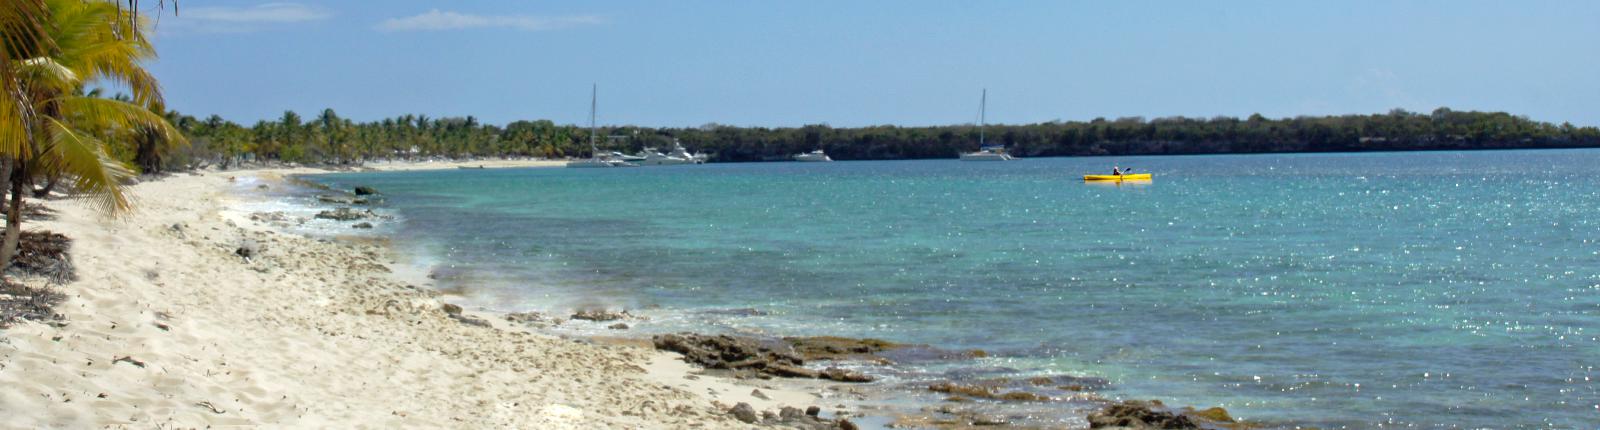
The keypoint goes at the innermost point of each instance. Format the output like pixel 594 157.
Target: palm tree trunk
pixel 8 249
pixel 49 185
pixel 5 174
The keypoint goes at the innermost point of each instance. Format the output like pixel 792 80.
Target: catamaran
pixel 596 159
pixel 985 152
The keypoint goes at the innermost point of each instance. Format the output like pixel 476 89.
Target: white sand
pixel 313 334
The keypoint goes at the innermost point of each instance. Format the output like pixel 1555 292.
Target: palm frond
pixel 22 35
pixel 117 116
pixel 82 157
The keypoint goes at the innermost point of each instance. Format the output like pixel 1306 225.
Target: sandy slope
pixel 311 334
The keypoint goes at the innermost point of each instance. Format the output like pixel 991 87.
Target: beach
pixel 170 325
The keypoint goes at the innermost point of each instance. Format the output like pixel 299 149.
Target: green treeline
pixel 328 138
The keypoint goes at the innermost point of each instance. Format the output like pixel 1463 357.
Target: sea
pixel 1433 290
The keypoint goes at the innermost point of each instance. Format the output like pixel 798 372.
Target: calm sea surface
pixel 1430 290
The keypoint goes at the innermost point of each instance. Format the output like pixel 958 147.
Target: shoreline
pixel 169 325
pixel 398 351
pixel 915 403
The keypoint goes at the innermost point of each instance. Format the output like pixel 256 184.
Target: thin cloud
pixel 262 13
pixel 437 20
pixel 225 19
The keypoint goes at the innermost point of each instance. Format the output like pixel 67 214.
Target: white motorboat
pixel 656 158
pixel 600 162
pixel 816 155
pixel 629 158
pixel 985 152
pixel 597 159
pixel 679 152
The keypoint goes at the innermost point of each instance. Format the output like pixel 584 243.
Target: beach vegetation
pixel 330 139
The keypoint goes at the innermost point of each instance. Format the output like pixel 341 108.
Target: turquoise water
pixel 1428 290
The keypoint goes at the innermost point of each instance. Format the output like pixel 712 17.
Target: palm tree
pixel 22 37
pixel 88 42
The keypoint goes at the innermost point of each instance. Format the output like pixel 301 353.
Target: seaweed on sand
pixel 44 253
pixel 21 302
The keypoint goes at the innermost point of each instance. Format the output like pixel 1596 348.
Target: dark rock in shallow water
pixel 346 214
pixel 986 391
pixel 532 318
pixel 600 315
pixel 362 225
pixel 1137 414
pixel 725 352
pixel 749 355
pixel 333 199
pixel 1211 414
pixel 618 326
pixel 841 375
pixel 363 190
pixel 785 371
pixel 835 348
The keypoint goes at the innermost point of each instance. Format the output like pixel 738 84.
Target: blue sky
pixel 852 63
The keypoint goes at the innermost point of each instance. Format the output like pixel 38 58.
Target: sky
pixel 854 63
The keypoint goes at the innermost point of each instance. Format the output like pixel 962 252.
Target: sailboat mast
pixel 593 98
pixel 983 109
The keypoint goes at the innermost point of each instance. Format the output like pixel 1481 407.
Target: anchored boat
pixel 596 159
pixel 986 152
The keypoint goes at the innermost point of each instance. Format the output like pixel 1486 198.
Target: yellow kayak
pixel 1127 177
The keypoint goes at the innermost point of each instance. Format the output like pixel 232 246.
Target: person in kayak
pixel 1117 171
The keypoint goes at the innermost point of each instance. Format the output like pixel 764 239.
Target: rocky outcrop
pixel 1139 414
pixel 744 354
pixel 788 417
pixel 338 200
pixel 726 352
pixel 532 319
pixel 347 214
pixel 986 391
pixel 363 190
pixel 838 348
pixel 842 375
pixel 600 315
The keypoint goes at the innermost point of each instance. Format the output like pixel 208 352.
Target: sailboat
pixel 985 152
pixel 596 159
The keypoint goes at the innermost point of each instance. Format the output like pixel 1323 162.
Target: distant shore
pixel 492 163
